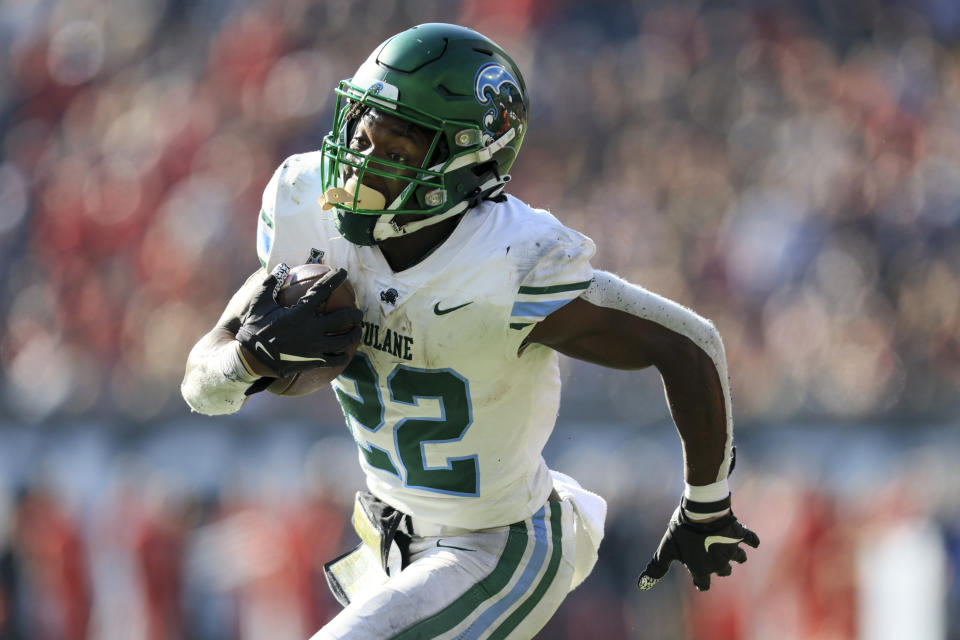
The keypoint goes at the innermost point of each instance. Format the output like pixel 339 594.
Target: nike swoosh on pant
pixel 709 540
pixel 450 546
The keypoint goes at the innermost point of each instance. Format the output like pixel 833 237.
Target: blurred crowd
pixel 790 170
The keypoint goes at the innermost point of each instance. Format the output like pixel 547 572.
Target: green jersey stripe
pixel 520 325
pixel 524 609
pixel 266 219
pixel 462 607
pixel 556 288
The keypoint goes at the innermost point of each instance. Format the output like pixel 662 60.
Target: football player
pixel 466 297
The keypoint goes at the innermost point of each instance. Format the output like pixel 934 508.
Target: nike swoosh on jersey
pixel 437 310
pixel 709 540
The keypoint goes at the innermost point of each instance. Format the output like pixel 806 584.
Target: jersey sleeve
pixel 266 221
pixel 561 273
pixel 289 228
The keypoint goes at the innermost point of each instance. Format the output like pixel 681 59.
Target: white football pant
pixel 497 583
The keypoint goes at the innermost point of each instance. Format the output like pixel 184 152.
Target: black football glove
pixel 704 548
pixel 292 339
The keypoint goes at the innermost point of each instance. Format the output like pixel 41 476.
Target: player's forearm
pixel 216 379
pixel 696 400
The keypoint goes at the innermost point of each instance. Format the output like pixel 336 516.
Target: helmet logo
pixel 494 85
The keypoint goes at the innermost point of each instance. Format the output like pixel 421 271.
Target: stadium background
pixel 789 169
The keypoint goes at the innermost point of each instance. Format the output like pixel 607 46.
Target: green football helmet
pixel 455 84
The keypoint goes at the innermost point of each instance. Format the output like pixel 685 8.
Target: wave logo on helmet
pixel 494 85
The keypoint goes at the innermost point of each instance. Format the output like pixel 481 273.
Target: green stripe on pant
pixel 459 609
pixel 524 609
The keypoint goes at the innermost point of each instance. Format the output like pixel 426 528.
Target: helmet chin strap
pixel 387 226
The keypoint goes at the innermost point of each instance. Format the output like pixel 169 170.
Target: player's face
pixel 382 136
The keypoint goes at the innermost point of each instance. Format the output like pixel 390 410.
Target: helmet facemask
pixel 344 172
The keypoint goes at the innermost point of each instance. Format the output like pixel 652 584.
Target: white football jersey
pixel 449 415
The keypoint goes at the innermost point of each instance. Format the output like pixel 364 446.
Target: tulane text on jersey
pixel 393 342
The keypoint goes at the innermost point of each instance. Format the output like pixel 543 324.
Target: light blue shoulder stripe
pixel 264 242
pixel 539 309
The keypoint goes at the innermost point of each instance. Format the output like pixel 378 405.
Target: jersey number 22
pixel 407 385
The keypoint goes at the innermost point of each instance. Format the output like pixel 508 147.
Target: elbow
pixel 208 386
pixel 699 350
pixel 712 343
pixel 703 343
pixel 212 406
pixel 681 358
pixel 203 395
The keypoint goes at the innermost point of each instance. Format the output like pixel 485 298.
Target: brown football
pixel 298 281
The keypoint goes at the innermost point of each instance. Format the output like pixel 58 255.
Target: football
pixel 298 281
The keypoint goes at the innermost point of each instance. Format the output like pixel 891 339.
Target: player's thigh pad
pixel 501 583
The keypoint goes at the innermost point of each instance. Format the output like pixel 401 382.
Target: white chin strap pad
pixel 387 226
pixel 608 291
pixel 367 199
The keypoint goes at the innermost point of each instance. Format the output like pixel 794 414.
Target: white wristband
pixel 707 492
pixel 704 502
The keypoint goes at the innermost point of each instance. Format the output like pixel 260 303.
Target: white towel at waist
pixel 591 512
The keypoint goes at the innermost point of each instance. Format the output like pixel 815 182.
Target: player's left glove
pixel 703 547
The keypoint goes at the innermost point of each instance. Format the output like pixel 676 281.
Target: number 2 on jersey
pixel 408 385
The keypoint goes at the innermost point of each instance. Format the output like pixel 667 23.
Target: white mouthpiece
pixel 368 198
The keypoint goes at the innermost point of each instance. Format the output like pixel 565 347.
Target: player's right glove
pixel 703 547
pixel 292 339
